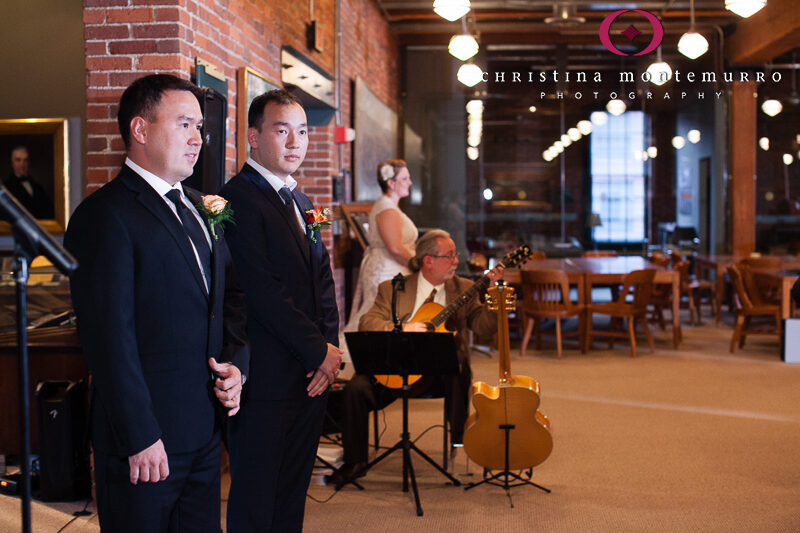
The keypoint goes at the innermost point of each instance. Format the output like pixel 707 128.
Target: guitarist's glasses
pixel 451 257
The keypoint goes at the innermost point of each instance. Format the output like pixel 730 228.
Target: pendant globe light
pixel 470 74
pixel 660 72
pixel 771 107
pixel 451 10
pixel 616 107
pixel 463 46
pixel 745 8
pixel 692 44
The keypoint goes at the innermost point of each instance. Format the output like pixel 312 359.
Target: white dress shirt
pixel 278 184
pixel 162 188
pixel 424 289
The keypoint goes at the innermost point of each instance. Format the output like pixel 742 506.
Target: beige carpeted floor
pixel 693 439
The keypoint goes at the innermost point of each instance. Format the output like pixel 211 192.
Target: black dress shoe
pixel 348 472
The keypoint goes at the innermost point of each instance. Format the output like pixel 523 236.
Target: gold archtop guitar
pixel 435 315
pixel 507 411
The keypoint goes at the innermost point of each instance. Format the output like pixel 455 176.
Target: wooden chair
pixel 600 253
pixel 639 284
pixel 750 305
pixel 763 263
pixel 545 294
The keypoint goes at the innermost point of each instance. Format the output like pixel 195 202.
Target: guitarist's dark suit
pixel 148 326
pixel 291 316
pixel 363 394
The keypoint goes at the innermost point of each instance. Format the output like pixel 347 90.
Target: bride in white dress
pixel 391 238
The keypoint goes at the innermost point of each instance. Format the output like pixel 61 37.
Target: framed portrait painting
pixel 35 168
pixel 249 85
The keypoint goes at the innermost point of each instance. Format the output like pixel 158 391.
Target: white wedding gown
pixel 377 265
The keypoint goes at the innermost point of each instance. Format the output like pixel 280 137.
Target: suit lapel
pixel 149 198
pixel 216 260
pixel 277 203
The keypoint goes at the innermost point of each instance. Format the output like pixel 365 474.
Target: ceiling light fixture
pixel 788 159
pixel 693 136
pixel 616 107
pixel 532 109
pixel 574 134
pixel 463 46
pixel 745 8
pixel 472 153
pixel 763 142
pixel 470 74
pixel 565 140
pixel 652 151
pixel 659 71
pixel 598 118
pixel 451 10
pixel 678 142
pixel 565 14
pixel 692 44
pixel 771 107
pixel 585 126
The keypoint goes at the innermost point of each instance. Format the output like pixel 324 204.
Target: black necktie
pixel 288 200
pixel 194 231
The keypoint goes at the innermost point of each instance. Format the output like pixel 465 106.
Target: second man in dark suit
pixel 293 324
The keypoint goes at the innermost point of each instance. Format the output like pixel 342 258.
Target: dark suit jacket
pixel 39 204
pixel 291 301
pixel 146 322
pixel 472 315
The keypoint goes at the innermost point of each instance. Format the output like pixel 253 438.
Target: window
pixel 618 178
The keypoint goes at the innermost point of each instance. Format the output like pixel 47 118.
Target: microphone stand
pixel 398 284
pixel 30 240
pixel 21 261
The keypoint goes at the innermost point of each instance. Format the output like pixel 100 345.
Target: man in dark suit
pixel 292 322
pixel 25 189
pixel 159 315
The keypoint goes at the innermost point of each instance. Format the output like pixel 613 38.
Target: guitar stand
pixel 506 474
pixel 405 445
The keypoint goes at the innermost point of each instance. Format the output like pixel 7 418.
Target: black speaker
pixel 209 171
pixel 63 443
pixel 334 410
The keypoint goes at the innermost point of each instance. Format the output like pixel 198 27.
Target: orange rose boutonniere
pixel 315 219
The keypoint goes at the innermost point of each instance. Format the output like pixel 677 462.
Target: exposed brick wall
pixel 126 39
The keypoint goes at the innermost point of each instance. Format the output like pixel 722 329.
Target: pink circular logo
pixel 605 32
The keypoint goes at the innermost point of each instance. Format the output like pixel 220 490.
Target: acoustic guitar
pixel 435 316
pixel 508 411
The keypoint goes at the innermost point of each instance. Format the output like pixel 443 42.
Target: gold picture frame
pixel 249 85
pixel 47 141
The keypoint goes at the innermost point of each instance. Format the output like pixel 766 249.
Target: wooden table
pixel 719 265
pixel 589 271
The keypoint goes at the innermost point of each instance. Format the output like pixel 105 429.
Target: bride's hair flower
pixel 387 172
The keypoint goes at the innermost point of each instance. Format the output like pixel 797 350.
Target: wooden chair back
pixel 545 292
pixel 763 262
pixel 639 284
pixel 600 253
pixel 737 280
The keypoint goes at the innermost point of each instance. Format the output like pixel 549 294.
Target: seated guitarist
pixel 434 279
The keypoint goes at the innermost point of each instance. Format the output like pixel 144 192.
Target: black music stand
pixel 400 353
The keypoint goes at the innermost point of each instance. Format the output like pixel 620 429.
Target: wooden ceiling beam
pixel 766 35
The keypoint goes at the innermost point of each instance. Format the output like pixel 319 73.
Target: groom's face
pixel 281 145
